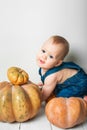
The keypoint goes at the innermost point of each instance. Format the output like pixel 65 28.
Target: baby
pixel 63 79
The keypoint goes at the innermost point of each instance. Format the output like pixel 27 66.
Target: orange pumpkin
pixel 17 75
pixel 66 112
pixel 18 102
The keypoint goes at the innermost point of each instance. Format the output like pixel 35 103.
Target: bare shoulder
pixel 60 76
pixel 65 74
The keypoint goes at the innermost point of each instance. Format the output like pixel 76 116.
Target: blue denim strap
pixel 58 68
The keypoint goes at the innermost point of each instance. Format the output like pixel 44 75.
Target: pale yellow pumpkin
pixel 19 102
pixel 66 112
pixel 17 75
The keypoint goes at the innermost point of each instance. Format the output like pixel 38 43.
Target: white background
pixel 26 24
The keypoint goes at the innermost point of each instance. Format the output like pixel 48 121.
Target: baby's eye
pixel 51 57
pixel 43 51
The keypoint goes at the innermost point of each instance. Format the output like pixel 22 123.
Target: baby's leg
pixel 85 98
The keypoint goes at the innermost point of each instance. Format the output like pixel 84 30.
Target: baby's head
pixel 61 43
pixel 52 52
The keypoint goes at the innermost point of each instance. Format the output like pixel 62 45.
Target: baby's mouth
pixel 41 61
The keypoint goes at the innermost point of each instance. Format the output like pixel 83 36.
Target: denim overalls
pixel 74 86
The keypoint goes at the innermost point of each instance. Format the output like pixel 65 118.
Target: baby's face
pixel 49 55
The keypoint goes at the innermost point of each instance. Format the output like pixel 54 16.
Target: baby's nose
pixel 44 56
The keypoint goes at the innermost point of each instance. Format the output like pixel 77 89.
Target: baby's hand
pixel 40 85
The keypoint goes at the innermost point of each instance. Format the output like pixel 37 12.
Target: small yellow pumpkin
pixel 17 75
pixel 19 102
pixel 66 112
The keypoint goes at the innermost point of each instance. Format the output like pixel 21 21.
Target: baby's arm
pixel 48 87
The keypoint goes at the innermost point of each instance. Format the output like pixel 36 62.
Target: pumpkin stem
pixel 20 70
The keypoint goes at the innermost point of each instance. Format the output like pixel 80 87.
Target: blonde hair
pixel 60 40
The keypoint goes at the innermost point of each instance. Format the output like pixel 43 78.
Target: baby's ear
pixel 59 63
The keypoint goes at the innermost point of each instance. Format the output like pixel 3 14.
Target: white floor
pixel 40 122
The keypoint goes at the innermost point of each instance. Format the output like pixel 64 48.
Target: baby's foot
pixel 85 98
